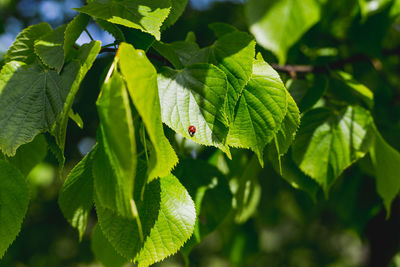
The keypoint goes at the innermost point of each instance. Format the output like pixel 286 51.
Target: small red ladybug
pixel 192 130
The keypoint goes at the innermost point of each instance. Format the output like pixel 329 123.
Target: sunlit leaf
pixel 233 53
pixel 261 110
pixel 328 142
pixel 145 15
pixel 143 90
pixel 118 145
pixel 279 24
pixel 195 96
pixel 167 214
pixel 211 194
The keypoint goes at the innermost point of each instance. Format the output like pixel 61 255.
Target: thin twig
pixel 88 33
pixel 294 69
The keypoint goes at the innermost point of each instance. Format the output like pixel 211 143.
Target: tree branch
pixel 294 69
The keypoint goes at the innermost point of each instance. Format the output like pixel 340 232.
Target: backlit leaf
pixel 195 96
pixel 279 24
pixel 168 217
pixel 118 145
pixel 327 142
pixel 50 48
pixel 145 15
pixel 143 90
pixel 233 53
pixel 23 47
pixel 261 110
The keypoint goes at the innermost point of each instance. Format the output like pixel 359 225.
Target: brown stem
pixel 294 69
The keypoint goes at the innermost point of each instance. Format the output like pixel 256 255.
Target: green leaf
pixel 14 200
pixel 178 6
pixel 306 93
pixel 190 37
pixel 103 250
pixel 287 169
pixel 395 9
pixel 34 98
pixel 145 15
pixel 220 29
pixel 260 111
pixel 248 193
pixel 179 54
pixel 111 28
pixel 85 57
pixel 233 53
pixel 279 24
pixel 76 118
pixel 370 7
pixel 168 52
pixel 56 151
pixel 345 87
pixel 50 48
pixel 328 142
pixel 23 47
pixel 195 96
pixel 107 187
pixel 76 196
pixel 289 126
pixel 29 155
pixel 211 193
pixel 142 87
pixel 73 31
pixel 118 143
pixel 168 218
pixel 386 161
